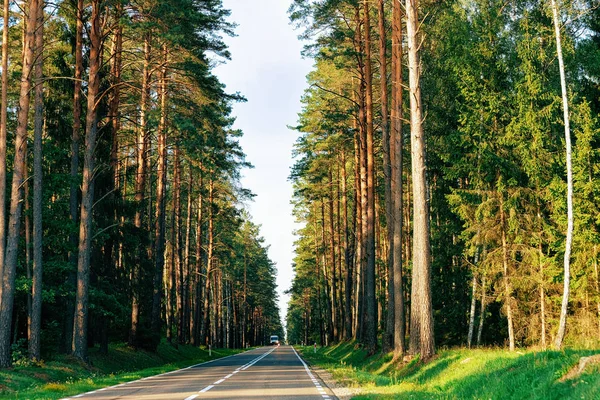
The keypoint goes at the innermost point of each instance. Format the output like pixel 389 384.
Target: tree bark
pixel 3 135
pixel 209 263
pixel 562 326
pixel 161 188
pixel 334 296
pixel 87 191
pixel 505 273
pixel 16 198
pixel 140 189
pixel 388 339
pixel 36 293
pixel 370 338
pixel 396 187
pixel 186 262
pixel 421 332
pixel 196 321
pixel 74 173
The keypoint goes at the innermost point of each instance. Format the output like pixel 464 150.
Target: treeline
pixel 125 221
pixel 441 202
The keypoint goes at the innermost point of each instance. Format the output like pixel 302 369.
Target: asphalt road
pixel 265 373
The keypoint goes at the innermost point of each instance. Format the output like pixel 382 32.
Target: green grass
pixel 461 374
pixel 65 376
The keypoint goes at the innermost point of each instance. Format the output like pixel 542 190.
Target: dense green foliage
pixel 164 126
pixel 495 168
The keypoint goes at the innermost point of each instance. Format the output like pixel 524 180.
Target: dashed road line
pixel 242 368
pixel 154 376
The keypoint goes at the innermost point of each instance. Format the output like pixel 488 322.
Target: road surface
pixel 264 373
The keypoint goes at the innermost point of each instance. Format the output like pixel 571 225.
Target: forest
pixel 122 216
pixel 447 175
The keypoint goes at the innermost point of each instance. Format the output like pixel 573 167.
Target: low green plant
pixel 461 374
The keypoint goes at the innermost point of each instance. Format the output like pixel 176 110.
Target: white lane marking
pixel 242 368
pixel 191 397
pixel 206 389
pixel 312 377
pixel 156 376
pixel 258 359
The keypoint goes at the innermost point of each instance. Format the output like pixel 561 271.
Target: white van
pixel 274 339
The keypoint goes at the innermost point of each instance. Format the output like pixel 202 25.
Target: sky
pixel 268 69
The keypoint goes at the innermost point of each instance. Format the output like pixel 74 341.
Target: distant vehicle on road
pixel 274 340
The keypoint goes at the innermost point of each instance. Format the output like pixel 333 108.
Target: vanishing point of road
pixel 264 373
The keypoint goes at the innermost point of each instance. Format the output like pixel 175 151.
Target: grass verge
pixel 460 374
pixel 64 376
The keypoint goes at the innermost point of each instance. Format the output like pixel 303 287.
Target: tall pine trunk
pixel 421 331
pixel 388 339
pixel 36 292
pixel 140 189
pixel 87 189
pixel 370 338
pixel 74 173
pixel 16 197
pixel 396 160
pixel 3 134
pixel 161 188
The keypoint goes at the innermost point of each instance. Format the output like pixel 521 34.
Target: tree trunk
pixel 482 312
pixel 16 198
pixel 87 191
pixel 3 134
pixel 396 160
pixel 472 310
pixel 562 326
pixel 209 264
pixel 196 321
pixel 186 262
pixel 161 188
pixel 347 256
pixel 507 287
pixel 370 338
pixel 388 339
pixel 74 185
pixel 421 332
pixel 140 189
pixel 36 293
pixel 334 296
pixel 176 243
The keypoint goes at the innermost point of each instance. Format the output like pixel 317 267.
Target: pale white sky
pixel 267 68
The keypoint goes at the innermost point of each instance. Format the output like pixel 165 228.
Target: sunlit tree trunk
pixel 334 296
pixel 370 338
pixel 347 253
pixel 505 273
pixel 74 172
pixel 197 320
pixel 562 326
pixel 187 276
pixel 396 160
pixel 140 189
pixel 36 292
pixel 3 134
pixel 209 263
pixel 388 339
pixel 87 189
pixel 16 198
pixel 161 188
pixel 421 332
